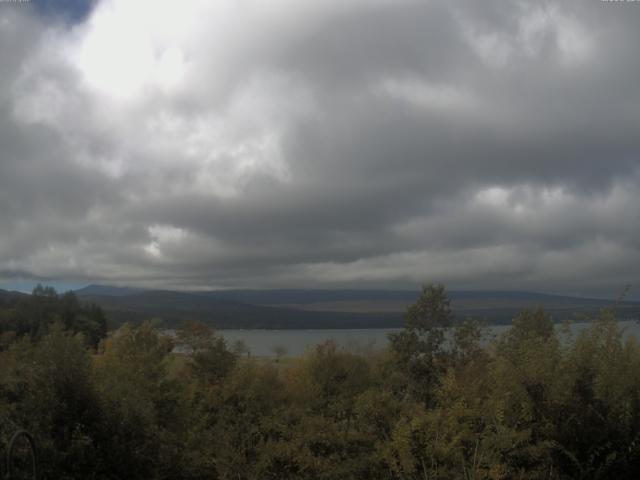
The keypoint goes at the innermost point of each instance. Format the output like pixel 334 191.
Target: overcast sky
pixel 324 143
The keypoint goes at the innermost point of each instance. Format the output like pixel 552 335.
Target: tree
pixel 210 359
pixel 431 313
pixel 240 348
pixel 279 351
pixel 418 349
pixel 142 406
pixel 48 389
pixel 33 316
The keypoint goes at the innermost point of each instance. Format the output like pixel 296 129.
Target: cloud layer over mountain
pixel 199 143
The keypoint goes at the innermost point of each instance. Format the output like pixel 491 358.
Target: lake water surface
pixel 296 342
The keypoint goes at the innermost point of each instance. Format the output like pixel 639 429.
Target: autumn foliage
pixel 444 401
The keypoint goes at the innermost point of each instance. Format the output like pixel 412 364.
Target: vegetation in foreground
pixel 525 405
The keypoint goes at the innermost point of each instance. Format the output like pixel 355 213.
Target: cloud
pixel 203 144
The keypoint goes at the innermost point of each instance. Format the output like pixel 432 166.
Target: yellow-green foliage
pixel 438 404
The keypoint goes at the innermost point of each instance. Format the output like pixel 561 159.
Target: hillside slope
pixel 172 308
pixel 293 309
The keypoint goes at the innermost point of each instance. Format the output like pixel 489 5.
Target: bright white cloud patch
pixel 493 196
pixel 444 98
pixel 132 80
pixel 537 30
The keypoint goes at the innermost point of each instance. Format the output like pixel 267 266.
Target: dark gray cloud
pixel 482 144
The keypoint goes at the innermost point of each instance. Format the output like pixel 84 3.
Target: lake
pixel 297 342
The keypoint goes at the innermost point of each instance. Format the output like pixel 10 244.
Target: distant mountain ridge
pixel 171 308
pixel 107 290
pixel 301 296
pixel 4 294
pixel 299 308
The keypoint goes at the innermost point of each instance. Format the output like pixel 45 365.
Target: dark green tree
pixel 419 348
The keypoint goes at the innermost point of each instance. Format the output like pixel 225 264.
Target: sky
pixel 201 144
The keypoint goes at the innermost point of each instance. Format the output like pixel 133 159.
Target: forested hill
pixel 33 316
pixel 172 308
pixel 6 295
pixel 297 308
